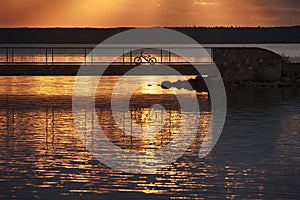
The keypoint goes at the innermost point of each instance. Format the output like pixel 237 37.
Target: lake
pixel 43 157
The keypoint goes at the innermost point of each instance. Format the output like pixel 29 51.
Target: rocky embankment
pixel 199 85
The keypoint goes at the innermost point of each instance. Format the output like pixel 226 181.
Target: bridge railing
pixel 11 55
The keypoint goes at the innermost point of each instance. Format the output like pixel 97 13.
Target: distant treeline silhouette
pixel 204 35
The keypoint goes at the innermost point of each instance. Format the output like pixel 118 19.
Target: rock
pixel 286 79
pixel 166 85
pixel 198 84
pixel 178 84
pixel 234 84
pixel 279 83
pixel 250 84
pixel 259 84
pixel 286 84
pixel 275 84
pixel 262 84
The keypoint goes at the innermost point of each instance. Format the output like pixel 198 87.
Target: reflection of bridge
pixel 55 125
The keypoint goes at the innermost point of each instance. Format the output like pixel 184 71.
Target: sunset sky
pixel 145 13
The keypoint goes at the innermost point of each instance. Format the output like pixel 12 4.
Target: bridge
pixel 234 63
pixel 66 59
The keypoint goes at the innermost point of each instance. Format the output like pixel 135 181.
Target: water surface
pixel 42 156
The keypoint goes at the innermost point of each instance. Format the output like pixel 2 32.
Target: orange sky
pixel 145 13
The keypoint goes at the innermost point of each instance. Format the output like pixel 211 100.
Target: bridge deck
pixel 113 70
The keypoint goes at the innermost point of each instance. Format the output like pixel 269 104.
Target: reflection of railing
pixel 82 55
pixel 48 127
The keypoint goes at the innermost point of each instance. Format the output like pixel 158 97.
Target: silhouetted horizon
pixel 208 35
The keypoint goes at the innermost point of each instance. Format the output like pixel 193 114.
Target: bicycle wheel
pixel 152 61
pixel 137 60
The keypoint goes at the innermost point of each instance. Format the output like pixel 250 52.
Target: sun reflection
pixel 157 127
pixel 151 85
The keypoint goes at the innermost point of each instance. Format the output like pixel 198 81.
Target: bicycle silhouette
pixel 148 58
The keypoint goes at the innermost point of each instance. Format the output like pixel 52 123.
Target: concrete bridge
pixel 235 64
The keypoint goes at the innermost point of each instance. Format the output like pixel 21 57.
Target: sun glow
pixel 117 13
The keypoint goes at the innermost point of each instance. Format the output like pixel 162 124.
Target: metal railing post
pixel 46 56
pixel 12 56
pixel 123 56
pixel 52 56
pixel 92 57
pixel 85 56
pixel 169 56
pixel 7 57
pixel 130 57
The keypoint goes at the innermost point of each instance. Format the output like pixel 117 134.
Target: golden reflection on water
pixel 41 153
pixel 38 131
pixel 46 140
pixel 63 85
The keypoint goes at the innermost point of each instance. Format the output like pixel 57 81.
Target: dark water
pixel 42 156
